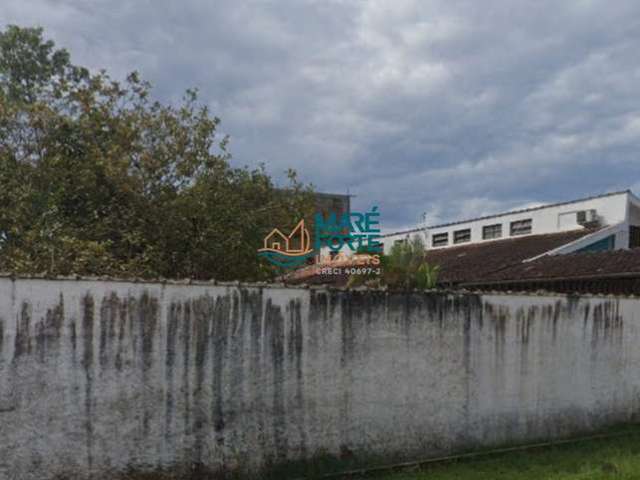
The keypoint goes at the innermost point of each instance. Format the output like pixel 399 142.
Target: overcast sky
pixel 453 108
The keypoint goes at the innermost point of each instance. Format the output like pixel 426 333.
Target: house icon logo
pixel 287 250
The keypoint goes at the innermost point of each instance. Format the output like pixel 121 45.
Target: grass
pixel 612 458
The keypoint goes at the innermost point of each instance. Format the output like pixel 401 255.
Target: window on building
pixel 492 231
pixel 521 227
pixel 604 245
pixel 462 236
pixel 440 239
pixel 400 241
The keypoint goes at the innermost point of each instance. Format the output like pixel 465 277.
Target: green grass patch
pixel 611 458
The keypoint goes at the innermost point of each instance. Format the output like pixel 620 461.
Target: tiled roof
pixel 571 266
pixel 475 262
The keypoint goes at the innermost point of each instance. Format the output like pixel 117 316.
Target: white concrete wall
pixel 99 378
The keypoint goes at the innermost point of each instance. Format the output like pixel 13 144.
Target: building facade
pixel 610 222
pixel 586 245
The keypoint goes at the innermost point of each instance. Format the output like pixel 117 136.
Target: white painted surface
pixel 553 219
pixel 615 209
pixel 619 210
pixel 163 377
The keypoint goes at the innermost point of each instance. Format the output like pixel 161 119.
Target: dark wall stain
pixel 585 318
pixel 472 309
pixel 274 332
pixel 88 317
pixel 555 316
pixel 121 331
pixel 146 316
pixel 296 350
pixel 437 305
pixel 499 318
pixel 607 326
pixel 350 307
pixel 109 309
pixel 222 314
pixel 524 321
pixel 318 318
pixel 235 402
pixel 257 366
pixel 185 338
pixel 23 332
pixel 173 320
pixel 49 330
pixel 73 335
pixel 351 303
pixel 202 309
pixel 573 303
pixel 467 357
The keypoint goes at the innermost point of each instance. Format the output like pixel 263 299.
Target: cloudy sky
pixel 453 108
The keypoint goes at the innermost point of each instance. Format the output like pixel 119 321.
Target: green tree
pixel 426 276
pixel 405 267
pixel 100 179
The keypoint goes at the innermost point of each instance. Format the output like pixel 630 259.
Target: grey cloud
pixel 453 108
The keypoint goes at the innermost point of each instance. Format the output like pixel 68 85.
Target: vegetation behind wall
pixel 98 178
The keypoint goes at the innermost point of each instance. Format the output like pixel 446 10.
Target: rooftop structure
pixel 567 246
pixel 608 217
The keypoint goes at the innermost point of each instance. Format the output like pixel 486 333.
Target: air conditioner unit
pixel 586 217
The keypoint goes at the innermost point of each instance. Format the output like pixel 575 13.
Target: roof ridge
pixel 619 251
pixel 531 209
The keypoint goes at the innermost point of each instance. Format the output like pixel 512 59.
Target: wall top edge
pixel 276 285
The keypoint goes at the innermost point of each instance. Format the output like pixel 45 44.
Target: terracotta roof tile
pixel 571 266
pixel 475 262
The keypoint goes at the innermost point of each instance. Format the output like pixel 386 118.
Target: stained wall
pixel 104 378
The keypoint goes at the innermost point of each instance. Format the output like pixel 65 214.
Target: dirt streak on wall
pixel 107 378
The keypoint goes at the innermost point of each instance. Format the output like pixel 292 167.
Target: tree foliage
pixel 98 178
pixel 405 267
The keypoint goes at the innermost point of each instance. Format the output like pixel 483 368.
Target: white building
pixel 610 222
